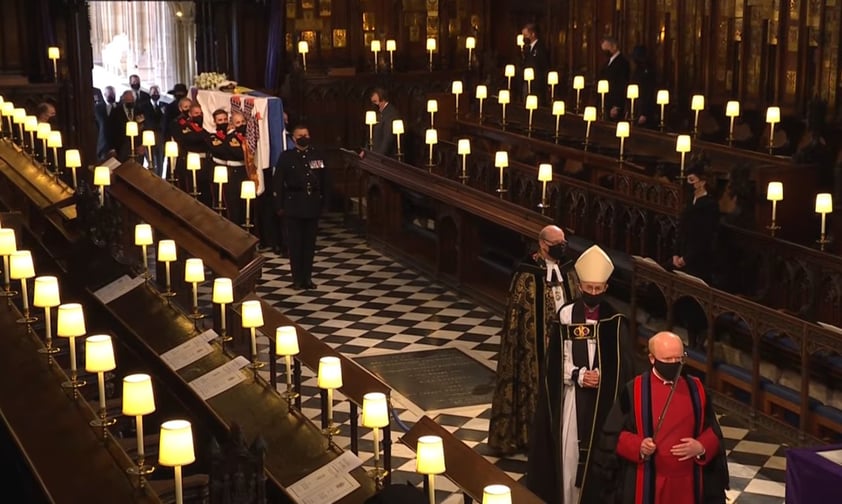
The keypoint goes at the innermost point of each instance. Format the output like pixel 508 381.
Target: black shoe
pixel 263 248
pixel 297 286
pixel 309 284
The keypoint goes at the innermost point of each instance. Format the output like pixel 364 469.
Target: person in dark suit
pixel 104 104
pixel 300 192
pixel 697 227
pixel 384 139
pixel 140 96
pixel 174 109
pixel 192 137
pixel 153 114
pixel 535 56
pixel 644 76
pixel 119 145
pixel 616 72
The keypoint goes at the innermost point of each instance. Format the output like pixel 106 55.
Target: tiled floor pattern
pixel 368 304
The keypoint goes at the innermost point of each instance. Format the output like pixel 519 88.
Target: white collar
pixel 552 267
pixel 613 57
pixel 532 44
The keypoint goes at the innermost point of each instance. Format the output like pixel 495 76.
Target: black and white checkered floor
pixel 368 304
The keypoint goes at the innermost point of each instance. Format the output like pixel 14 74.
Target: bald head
pixel 548 237
pixel 665 346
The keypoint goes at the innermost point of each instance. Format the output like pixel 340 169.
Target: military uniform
pixel 300 192
pixel 227 150
pixel 192 137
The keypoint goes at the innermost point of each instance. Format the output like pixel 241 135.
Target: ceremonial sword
pixel 669 400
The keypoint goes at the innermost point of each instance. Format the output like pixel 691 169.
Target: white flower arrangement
pixel 209 80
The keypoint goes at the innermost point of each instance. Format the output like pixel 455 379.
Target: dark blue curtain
pixel 275 45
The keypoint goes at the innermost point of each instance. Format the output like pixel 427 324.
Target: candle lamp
pixel 376 417
pixel 622 133
pixel 194 273
pixel 99 358
pixel 303 49
pixel 102 178
pixel 4 107
pixel 504 98
pixel 531 106
pixel 431 138
pixel 286 346
pixel 429 461
pixel 732 110
pixel 18 117
pixel 481 94
pixel 397 130
pixel 602 90
pixel 528 77
pixel 519 41
pixel 552 80
pixel 578 85
pixel 148 140
pixel 501 161
pixel 470 45
pixel 53 54
pixel 508 73
pixel 248 191
pixel 774 193
pixel 70 323
pixel 138 401
pixel 194 164
pixel 167 254
pixel 8 245
pixel 558 111
pixel 223 294
pixel 463 148
pixel 54 142
pixel 329 379
pixel 252 314
pixel 21 268
pixel 773 116
pixel 391 47
pixel 370 120
pixel 42 134
pixel 175 449
pixel 132 132
pixel 220 176
pixel 432 108
pixel 431 48
pixel 545 174
pixel 30 125
pixel 824 206
pixel 496 494
pixel 142 239
pixel 456 88
pixel 171 152
pixel 73 160
pixel 632 94
pixel 683 145
pixel 375 48
pixel 662 99
pixel 589 116
pixel 697 104
pixel 46 295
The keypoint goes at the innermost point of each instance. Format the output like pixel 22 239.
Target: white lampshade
pixel 471 43
pixel 70 321
pixel 131 129
pixel 519 40
pixel 175 445
pixel 18 115
pixel 732 108
pixel 773 115
pixel 391 45
pixel 171 149
pixel 143 234
pixel 194 162
pixel 429 457
pixel 683 143
pixel 663 97
pixel 482 92
pixel 432 106
pixel 99 354
pixel 102 176
pixel 528 74
pixel 602 86
pixel 53 53
pixel 504 97
pixel 463 146
pixel 330 373
pixel 545 172
pixel 633 92
pixel 46 293
pixel 501 159
pixel 589 114
pixel 20 265
pixel 72 159
pixel 397 127
pixel 431 44
pixel 220 174
pixel 8 243
pixel 370 117
pixel 622 129
pixel 194 270
pixel 286 341
pixel 531 102
pixel 775 191
pixel 579 82
pixel 456 87
pixel 552 78
pixel 509 71
pixel 697 102
pixel 223 290
pixel 558 108
pixel 30 123
pixel 824 203
pixel 375 46
pixel 303 47
pixel 43 131
pixel 54 139
pixel 431 137
pixel 7 108
pixel 148 138
pixel 496 494
pixel 248 190
pixel 375 410
pixel 167 251
pixel 252 314
pixel 138 396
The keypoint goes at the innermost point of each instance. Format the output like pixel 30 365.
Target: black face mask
pixel 223 127
pixel 608 53
pixel 155 97
pixel 110 99
pixel 667 370
pixel 592 300
pixel 129 105
pixel 527 41
pixel 135 86
pixel 557 251
pixel 303 142
pixel 241 129
pixel 198 119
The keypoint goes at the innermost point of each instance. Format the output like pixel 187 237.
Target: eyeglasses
pixel 682 359
pixel 563 243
